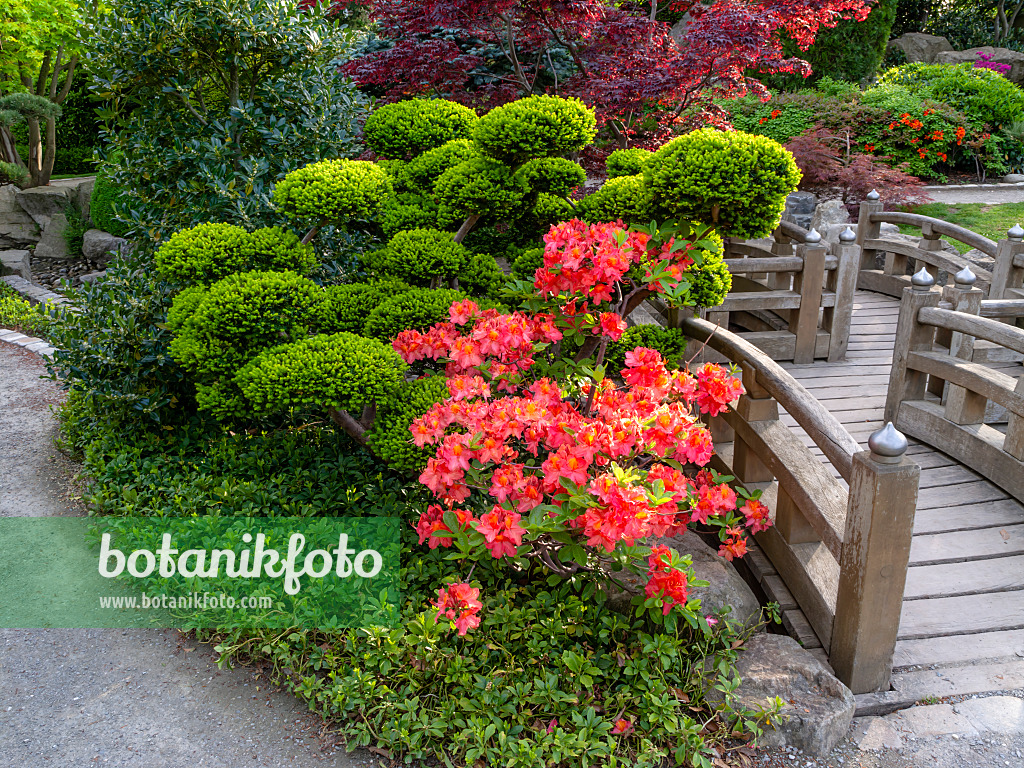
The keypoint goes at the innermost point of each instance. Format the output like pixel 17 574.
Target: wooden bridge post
pixel 962 405
pixel 843 282
pixel 873 566
pixel 911 336
pixel 782 245
pixel 809 283
pixel 1008 272
pixel 755 405
pixel 867 229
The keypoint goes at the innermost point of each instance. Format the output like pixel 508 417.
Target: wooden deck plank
pixel 972 578
pixel 978 544
pixel 989 613
pixel 989 514
pixel 950 650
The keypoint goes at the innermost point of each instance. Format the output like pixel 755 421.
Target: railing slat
pixel 966 236
pixel 994 385
pixel 980 327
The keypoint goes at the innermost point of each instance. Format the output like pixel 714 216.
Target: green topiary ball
pixel 390 436
pixel 553 175
pixel 334 190
pixel 398 216
pixel 670 342
pixel 481 276
pixel 422 172
pixel 710 281
pixel 101 206
pixel 346 307
pixel 409 128
pixel 527 263
pixel 537 126
pixel 736 181
pixel 627 162
pixel 420 255
pixel 478 186
pixel 418 308
pixel 207 253
pixel 338 371
pixel 624 197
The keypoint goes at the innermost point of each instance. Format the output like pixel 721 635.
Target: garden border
pixel 36 295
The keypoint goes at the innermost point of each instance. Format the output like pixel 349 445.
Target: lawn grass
pixel 992 221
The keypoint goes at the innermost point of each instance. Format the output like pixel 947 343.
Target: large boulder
pixel 726 590
pixel 800 207
pixel 42 203
pixel 828 214
pixel 14 262
pixel 917 46
pixel 52 245
pixel 817 710
pixel 1013 59
pixel 101 246
pixel 17 228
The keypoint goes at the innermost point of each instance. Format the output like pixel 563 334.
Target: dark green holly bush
pixel 342 370
pixel 736 181
pixel 409 128
pixel 621 197
pixel 537 126
pixel 334 191
pixel 207 253
pixel 420 256
pixel 627 162
pixel 670 342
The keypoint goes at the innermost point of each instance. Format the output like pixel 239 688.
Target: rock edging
pixel 35 295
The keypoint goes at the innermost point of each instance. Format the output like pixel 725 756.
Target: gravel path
pixel 988 195
pixel 132 698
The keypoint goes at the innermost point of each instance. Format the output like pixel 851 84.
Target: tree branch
pixel 466 227
pixel 349 426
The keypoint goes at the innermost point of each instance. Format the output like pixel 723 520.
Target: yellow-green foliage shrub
pixel 409 128
pixel 390 434
pixel 418 256
pixel 422 172
pixel 737 181
pixel 627 162
pixel 418 308
pixel 334 190
pixel 553 175
pixel 623 197
pixel 537 126
pixel 346 307
pixel 478 186
pixel 207 253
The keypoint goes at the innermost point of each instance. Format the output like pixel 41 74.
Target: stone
pixel 872 734
pixel 831 233
pixel 98 245
pixel 980 258
pixel 885 229
pixel 932 720
pixel 92 277
pixel 1013 178
pixel 996 714
pixel 85 199
pixel 42 203
pixel 16 263
pixel 17 228
pixel 818 709
pixel 1013 59
pixel 727 588
pixel 52 244
pixel 917 46
pixel 800 207
pixel 828 214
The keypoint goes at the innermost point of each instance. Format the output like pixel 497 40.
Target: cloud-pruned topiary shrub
pixel 409 128
pixel 402 213
pixel 736 181
pixel 422 172
pixel 207 253
pixel 627 162
pixel 477 187
pixel 537 126
pixel 334 190
pixel 622 197
pixel 551 175
pixel 418 308
pixel 346 307
pixel 390 433
pixel 420 257
pixel 670 342
pixel 342 370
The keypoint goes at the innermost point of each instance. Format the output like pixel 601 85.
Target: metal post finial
pixel 1016 233
pixel 873 196
pixel 965 278
pixel 813 237
pixel 847 236
pixel 922 280
pixel 888 445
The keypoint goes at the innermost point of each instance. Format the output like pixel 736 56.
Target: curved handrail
pixel 973 239
pixel 795 231
pixel 985 328
pixel 823 428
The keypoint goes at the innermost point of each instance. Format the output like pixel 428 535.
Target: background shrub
pixel 13 174
pixel 670 342
pixel 106 195
pixel 409 128
pixel 627 162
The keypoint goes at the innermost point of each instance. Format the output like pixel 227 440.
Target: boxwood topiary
pixel 101 206
pixel 537 126
pixel 736 181
pixel 418 308
pixel 346 307
pixel 481 276
pixel 409 128
pixel 627 162
pixel 670 342
pixel 398 216
pixel 209 252
pixel 421 173
pixel 478 186
pixel 527 263
pixel 622 197
pixel 334 190
pixel 418 256
pixel 342 370
pixel 554 175
pixel 390 436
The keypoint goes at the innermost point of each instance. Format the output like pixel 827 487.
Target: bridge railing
pixel 940 394
pixel 841 550
pixel 902 258
pixel 792 299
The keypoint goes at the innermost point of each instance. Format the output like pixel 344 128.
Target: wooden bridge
pixel 902 564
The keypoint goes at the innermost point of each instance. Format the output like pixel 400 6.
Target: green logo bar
pixel 199 572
